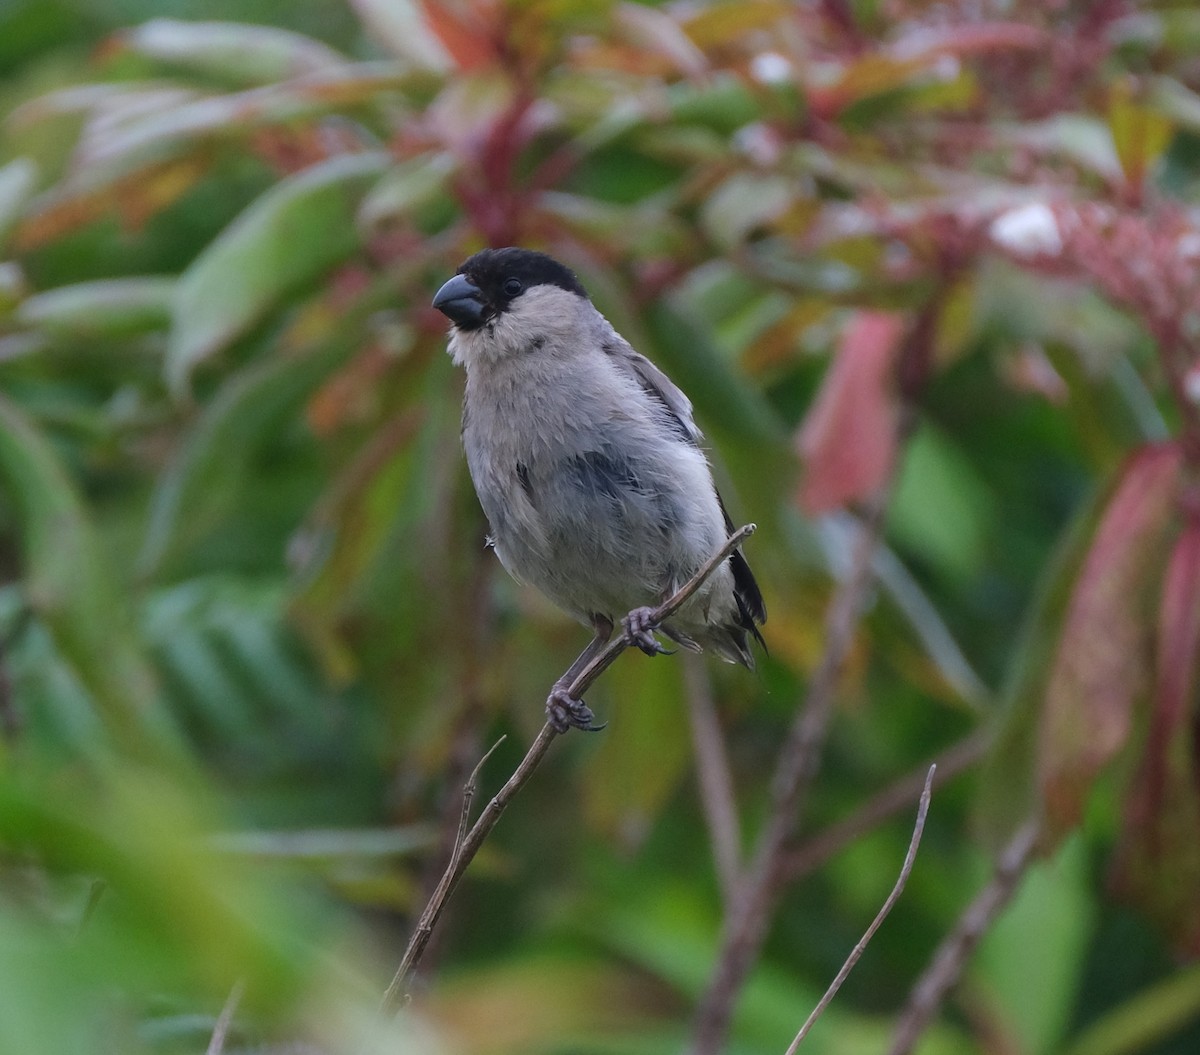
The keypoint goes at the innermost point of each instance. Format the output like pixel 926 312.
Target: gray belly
pixel 597 531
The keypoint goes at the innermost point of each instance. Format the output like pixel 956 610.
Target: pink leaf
pixel 465 31
pixel 1179 628
pixel 849 437
pixel 1157 863
pixel 1102 662
pixel 966 39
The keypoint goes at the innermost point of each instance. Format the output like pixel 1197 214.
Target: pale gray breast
pixel 591 492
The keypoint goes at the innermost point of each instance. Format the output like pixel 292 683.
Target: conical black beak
pixel 462 303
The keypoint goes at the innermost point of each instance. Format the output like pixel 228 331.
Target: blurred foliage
pixel 251 643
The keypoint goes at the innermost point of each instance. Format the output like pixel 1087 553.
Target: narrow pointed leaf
pixel 848 437
pixel 400 25
pixel 1179 631
pixel 110 308
pixel 1157 867
pixel 287 239
pixel 232 51
pixel 1100 667
pixel 197 487
pixel 70 586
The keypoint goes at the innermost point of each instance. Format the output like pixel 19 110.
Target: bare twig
pixel 819 848
pixel 746 922
pixel 952 955
pixel 461 766
pixel 216 1043
pixel 713 775
pixel 394 996
pixel 663 612
pixel 892 898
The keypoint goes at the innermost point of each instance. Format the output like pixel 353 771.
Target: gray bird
pixel 589 466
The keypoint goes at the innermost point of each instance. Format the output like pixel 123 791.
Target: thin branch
pixel 216 1043
pixel 892 898
pixel 746 922
pixel 663 612
pixel 462 766
pixel 815 851
pixel 465 853
pixel 393 996
pixel 713 775
pixel 951 958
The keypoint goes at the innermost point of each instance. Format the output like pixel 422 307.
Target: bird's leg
pixel 562 709
pixel 639 630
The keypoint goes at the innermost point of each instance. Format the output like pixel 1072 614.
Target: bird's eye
pixel 513 286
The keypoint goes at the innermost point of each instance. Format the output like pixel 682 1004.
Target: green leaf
pixel 640 761
pixel 646 230
pixel 1137 1025
pixel 17 180
pixel 116 307
pixel 745 203
pixel 942 509
pixel 410 187
pixel 70 585
pixel 202 480
pixel 1140 133
pixel 400 26
pixel 176 909
pixel 723 102
pixel 1052 912
pixel 231 51
pixel 1176 101
pixel 1085 140
pixel 284 241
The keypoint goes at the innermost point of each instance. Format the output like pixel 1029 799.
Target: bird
pixel 589 467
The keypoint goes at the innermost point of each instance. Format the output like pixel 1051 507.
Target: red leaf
pixel 1179 631
pixel 1157 863
pixel 466 34
pixel 849 436
pixel 1102 661
pixel 1156 867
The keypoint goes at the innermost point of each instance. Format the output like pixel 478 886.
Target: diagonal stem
pixel 880 916
pixel 469 842
pixel 713 775
pixel 952 955
pixel 746 922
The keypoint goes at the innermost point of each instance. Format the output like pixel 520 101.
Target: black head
pixel 487 283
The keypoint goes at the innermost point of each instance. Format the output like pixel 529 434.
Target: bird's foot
pixel 639 630
pixel 565 712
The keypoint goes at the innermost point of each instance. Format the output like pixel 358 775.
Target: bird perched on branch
pixel 589 466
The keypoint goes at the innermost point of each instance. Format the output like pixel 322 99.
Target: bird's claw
pixel 565 712
pixel 639 631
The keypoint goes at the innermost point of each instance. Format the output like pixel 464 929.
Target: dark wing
pixel 751 609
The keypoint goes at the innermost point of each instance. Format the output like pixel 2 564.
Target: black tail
pixel 752 611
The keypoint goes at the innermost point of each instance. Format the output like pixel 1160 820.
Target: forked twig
pixel 393 996
pixel 892 898
pixel 466 846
